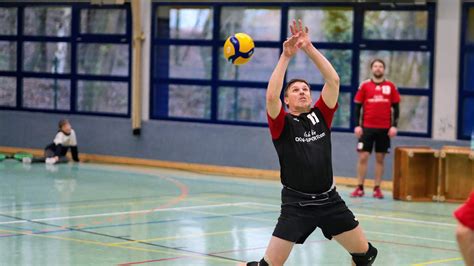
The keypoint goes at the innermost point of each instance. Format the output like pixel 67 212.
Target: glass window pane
pixel 259 68
pixel 7 91
pixel 262 24
pixel 470 26
pixel 46 93
pixel 183 61
pixel 468 71
pixel 413 114
pixel 302 66
pixel 405 69
pixel 242 104
pixel 189 101
pixel 103 21
pixel 7 56
pixel 467 117
pixel 47 21
pixel 342 117
pixel 326 24
pixel 47 57
pixel 8 20
pixel 395 25
pixel 103 59
pixel 102 96
pixel 184 23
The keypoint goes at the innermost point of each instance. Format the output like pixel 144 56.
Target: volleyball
pixel 239 48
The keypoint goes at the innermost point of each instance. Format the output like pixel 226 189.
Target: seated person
pixel 56 151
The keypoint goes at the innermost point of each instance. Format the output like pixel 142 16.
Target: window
pixel 466 72
pixel 192 81
pixel 68 58
pixel 403 38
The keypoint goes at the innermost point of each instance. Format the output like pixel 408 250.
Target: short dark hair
pixel 62 122
pixel 288 85
pixel 377 60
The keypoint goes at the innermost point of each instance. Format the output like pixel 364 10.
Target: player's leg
pixel 355 242
pixel 382 147
pixel 277 253
pixel 465 238
pixel 339 222
pixel 364 148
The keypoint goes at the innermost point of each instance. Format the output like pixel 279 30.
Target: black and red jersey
pixel 377 100
pixel 303 144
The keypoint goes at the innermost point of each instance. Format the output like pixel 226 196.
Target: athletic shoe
pixel 378 193
pixel 358 192
pixel 26 160
pixel 50 160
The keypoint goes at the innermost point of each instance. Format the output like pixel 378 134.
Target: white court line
pixel 122 213
pixel 407 236
pixel 381 217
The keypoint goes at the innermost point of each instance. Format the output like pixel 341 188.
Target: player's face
pixel 299 97
pixel 66 128
pixel 378 70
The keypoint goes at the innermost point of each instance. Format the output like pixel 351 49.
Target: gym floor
pixel 90 214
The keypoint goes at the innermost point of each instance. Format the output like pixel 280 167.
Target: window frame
pixel 357 45
pixel 464 49
pixel 74 39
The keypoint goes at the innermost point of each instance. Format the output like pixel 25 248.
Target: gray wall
pixel 179 141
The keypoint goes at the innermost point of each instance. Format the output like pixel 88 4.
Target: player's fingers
pixel 292 30
pixel 306 29
pixel 295 27
pixel 300 25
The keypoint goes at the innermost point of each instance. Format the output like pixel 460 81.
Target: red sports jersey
pixel 377 100
pixel 465 213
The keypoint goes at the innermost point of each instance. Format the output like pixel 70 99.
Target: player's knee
pixel 379 159
pixel 462 232
pixel 365 259
pixel 364 156
pixel 263 262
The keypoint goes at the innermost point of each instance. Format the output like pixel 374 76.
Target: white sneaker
pixel 50 161
pixel 26 160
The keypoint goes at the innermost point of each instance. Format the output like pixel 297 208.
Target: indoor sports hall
pixel 136 132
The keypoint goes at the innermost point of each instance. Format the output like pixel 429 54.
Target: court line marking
pixel 90 242
pixel 268 220
pixel 127 203
pixel 191 235
pixel 380 217
pixel 125 213
pixel 437 261
pixel 408 236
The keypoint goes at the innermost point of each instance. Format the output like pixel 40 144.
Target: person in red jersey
pixel 465 230
pixel 379 99
pixel 302 139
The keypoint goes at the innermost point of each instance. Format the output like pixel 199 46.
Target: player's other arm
pixel 330 91
pixel 275 85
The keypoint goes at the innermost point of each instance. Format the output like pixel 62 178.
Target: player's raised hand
pixel 297 29
pixel 290 46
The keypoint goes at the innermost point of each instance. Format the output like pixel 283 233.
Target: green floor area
pixel 88 214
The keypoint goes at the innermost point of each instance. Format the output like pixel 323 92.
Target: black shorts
pixel 301 214
pixel 379 136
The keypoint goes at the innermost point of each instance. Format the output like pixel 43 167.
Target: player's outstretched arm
pixel 330 91
pixel 275 85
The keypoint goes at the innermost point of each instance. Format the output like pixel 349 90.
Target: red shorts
pixel 465 212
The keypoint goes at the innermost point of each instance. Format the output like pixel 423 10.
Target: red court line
pixel 148 261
